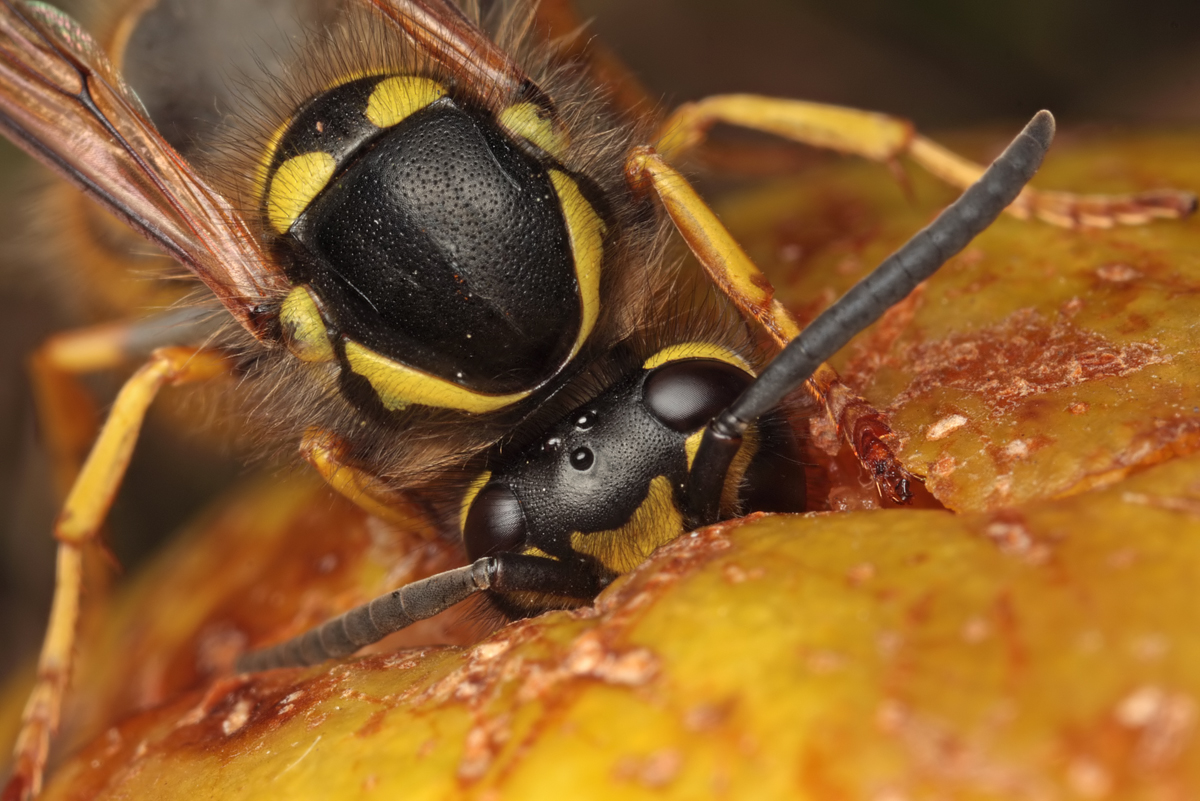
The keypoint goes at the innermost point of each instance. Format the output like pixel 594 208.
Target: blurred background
pixel 945 64
pixel 941 63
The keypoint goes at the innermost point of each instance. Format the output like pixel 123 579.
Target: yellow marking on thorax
pixel 262 172
pixel 656 522
pixel 394 99
pixel 480 481
pixel 691 445
pixel 586 231
pixel 384 106
pixel 294 185
pixel 527 121
pixel 399 386
pixel 696 350
pixel 307 336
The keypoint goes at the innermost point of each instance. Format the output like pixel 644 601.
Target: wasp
pixel 433 250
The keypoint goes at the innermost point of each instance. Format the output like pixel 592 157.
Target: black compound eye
pixel 686 394
pixel 495 522
pixel 582 459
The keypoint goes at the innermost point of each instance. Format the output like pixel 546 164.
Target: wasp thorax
pixel 453 264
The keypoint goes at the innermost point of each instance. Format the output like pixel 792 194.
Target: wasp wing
pixel 442 30
pixel 62 101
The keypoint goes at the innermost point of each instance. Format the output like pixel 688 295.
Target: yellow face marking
pixel 262 175
pixel 696 350
pixel 737 469
pixel 399 385
pixel 469 498
pixel 586 230
pixel 527 121
pixel 656 522
pixel 294 185
pixel 533 550
pixel 691 445
pixel 307 336
pixel 396 98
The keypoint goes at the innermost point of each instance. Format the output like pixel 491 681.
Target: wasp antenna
pixel 373 621
pixel 370 623
pixel 885 286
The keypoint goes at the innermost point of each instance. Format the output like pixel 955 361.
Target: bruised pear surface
pixel 1040 361
pixel 1046 652
pixel 1040 644
pixel 273 559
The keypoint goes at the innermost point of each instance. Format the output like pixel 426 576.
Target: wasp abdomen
pixel 434 242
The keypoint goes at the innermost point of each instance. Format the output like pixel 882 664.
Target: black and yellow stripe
pixel 312 158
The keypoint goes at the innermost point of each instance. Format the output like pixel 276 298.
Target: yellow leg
pixel 882 138
pixel 733 272
pixel 67 414
pixel 327 453
pixel 69 419
pixel 83 513
pixel 723 259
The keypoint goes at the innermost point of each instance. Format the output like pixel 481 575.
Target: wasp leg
pixel 733 272
pixel 728 266
pixel 885 286
pixel 67 414
pixel 83 513
pixel 882 138
pixel 326 452
pixel 371 622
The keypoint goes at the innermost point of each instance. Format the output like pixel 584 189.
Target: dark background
pixel 939 62
pixel 945 64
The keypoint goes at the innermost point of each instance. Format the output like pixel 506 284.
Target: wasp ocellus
pixel 433 249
